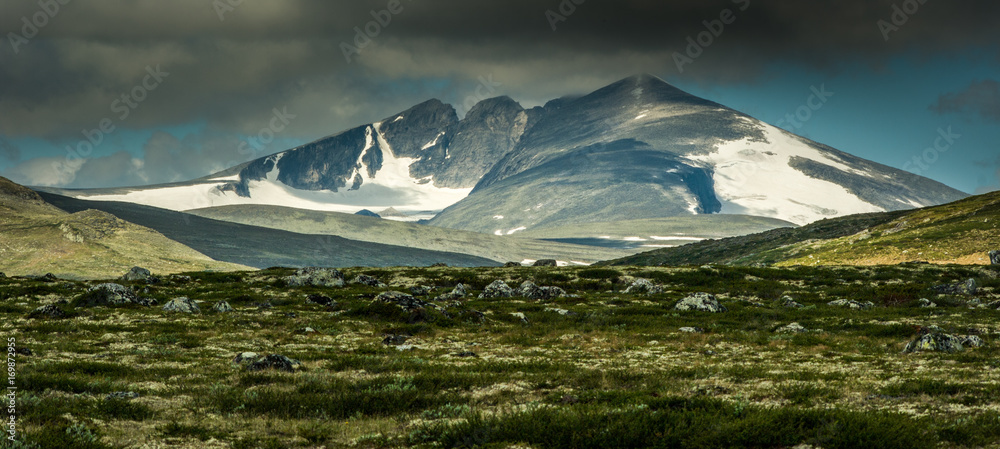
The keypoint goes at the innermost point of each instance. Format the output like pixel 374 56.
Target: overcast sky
pixel 201 76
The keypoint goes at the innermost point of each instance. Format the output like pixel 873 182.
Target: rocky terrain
pixel 528 357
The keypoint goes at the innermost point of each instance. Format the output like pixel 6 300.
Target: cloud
pixel 8 150
pixel 45 171
pixel 981 98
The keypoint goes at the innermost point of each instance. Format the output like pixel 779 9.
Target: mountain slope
pixel 410 235
pixel 960 232
pixel 262 247
pixel 38 238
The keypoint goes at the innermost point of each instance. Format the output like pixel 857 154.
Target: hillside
pixel 410 235
pixel 37 238
pixel 961 232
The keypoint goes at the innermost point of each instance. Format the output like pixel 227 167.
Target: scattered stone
pixel 307 330
pixel 643 286
pixel 498 289
pixel 457 293
pixel 700 301
pixel 791 328
pixel 395 340
pixel 545 263
pixel 182 305
pixel 139 274
pixel 788 302
pixel 320 299
pixel 403 300
pixel 112 295
pixel 852 304
pixel 244 357
pixel 934 341
pixel 562 312
pixel 520 316
pixel 466 354
pixel 316 277
pixel 370 281
pixel 421 290
pixel 529 290
pixel 49 311
pixel 123 395
pixel 967 287
pixel 512 265
pixel 994 258
pixel 692 330
pixel 971 341
pixel 925 303
pixel 273 361
pixel 222 307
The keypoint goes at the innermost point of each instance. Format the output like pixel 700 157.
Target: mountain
pixel 262 247
pixel 962 232
pixel 38 238
pixel 636 149
pixel 410 235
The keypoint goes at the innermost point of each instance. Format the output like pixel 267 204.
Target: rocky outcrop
pixel 222 307
pixel 459 292
pixel 995 257
pixel 791 328
pixel 703 302
pixel 139 274
pixel 545 263
pixel 370 281
pixel 787 302
pixel 181 305
pixel 643 287
pixel 967 287
pixel 404 301
pixel 529 290
pixel 316 277
pixel 497 289
pixel 111 295
pixel 275 362
pixel 48 311
pixel 851 304
pixel 935 341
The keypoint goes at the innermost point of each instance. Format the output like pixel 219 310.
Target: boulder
pixel 182 305
pixel 791 328
pixel 222 307
pixel 245 357
pixel 702 302
pixel 370 281
pixel 439 265
pixel 512 265
pixel 545 263
pixel 971 341
pixel 49 311
pixel 121 395
pixel 321 300
pixel 692 330
pixel 520 316
pixel 403 300
pixel 852 304
pixel 967 287
pixel 112 295
pixel 788 302
pixel 562 312
pixel 394 340
pixel 934 341
pixel 316 277
pixel 138 274
pixel 925 303
pixel 529 290
pixel 643 287
pixel 995 257
pixel 457 293
pixel 273 362
pixel 498 289
pixel 421 290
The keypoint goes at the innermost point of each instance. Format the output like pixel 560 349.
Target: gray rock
pixel 457 293
pixel 273 362
pixel 643 287
pixel 791 328
pixel 852 304
pixel 421 290
pixel 182 305
pixel 545 263
pixel 787 301
pixel 692 330
pixel 394 340
pixel 112 295
pixel 316 277
pixel 702 302
pixel 529 290
pixel 562 312
pixel 403 300
pixel 971 341
pixel 926 303
pixel 370 281
pixel 222 307
pixel 520 316
pixel 498 289
pixel 995 257
pixel 48 310
pixel 245 357
pixel 934 341
pixel 512 265
pixel 123 395
pixel 967 287
pixel 139 274
pixel 321 300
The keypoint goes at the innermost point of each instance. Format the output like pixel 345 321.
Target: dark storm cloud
pixel 981 98
pixel 8 150
pixel 229 72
